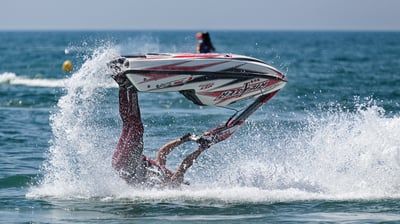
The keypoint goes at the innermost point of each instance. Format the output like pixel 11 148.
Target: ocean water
pixel 325 149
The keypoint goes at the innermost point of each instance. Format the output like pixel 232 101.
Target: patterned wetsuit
pixel 128 159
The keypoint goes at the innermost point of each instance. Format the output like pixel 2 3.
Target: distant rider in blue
pixel 204 43
pixel 128 159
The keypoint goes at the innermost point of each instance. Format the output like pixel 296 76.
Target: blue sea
pixel 325 149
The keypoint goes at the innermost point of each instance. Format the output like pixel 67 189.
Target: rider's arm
pixel 177 177
pixel 167 148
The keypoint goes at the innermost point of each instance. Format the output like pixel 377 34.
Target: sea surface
pixel 325 149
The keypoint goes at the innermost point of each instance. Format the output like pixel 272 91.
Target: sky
pixel 357 15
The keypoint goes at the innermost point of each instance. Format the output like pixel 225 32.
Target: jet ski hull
pixel 205 79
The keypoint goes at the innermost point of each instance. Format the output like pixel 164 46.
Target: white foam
pixel 336 155
pixel 77 153
pixel 12 79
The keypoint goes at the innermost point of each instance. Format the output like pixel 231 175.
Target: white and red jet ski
pixel 205 79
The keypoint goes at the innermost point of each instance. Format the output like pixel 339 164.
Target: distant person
pixel 128 159
pixel 204 43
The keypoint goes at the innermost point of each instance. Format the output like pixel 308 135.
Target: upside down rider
pixel 128 159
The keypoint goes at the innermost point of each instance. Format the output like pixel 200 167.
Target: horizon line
pixel 198 30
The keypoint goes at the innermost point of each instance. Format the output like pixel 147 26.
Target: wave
pixel 11 78
pixel 16 181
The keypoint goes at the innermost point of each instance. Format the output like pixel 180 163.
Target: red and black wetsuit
pixel 128 158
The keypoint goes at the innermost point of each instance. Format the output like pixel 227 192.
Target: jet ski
pixel 205 79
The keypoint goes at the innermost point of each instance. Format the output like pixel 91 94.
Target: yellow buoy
pixel 67 66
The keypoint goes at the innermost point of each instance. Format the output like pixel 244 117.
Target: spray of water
pixel 77 158
pixel 336 154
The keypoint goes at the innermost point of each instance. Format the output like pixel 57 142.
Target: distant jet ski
pixel 205 79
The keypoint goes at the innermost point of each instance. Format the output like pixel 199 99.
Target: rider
pixel 128 159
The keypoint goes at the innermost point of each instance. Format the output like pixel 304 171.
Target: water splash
pixel 333 154
pixel 78 153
